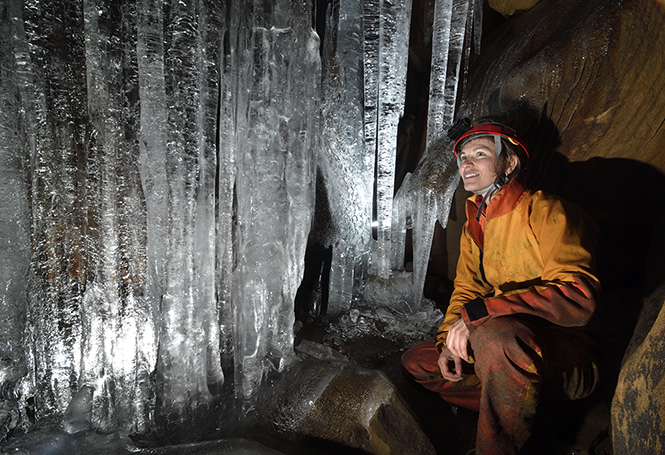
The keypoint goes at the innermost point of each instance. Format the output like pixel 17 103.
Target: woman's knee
pixel 421 359
pixel 505 338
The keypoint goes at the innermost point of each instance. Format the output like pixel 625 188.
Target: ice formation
pixel 158 163
pixel 426 196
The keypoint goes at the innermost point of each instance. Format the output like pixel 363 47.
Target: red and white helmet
pixel 463 130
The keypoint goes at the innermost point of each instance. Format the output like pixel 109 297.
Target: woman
pixel 523 293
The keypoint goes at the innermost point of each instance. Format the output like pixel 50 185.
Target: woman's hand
pixel 446 360
pixel 458 340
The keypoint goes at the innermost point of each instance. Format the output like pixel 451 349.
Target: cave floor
pixel 579 427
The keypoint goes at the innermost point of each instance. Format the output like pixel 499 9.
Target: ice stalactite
pixel 14 224
pixel 365 85
pixel 426 196
pixel 394 26
pixel 49 52
pixel 189 374
pixel 347 165
pixel 151 162
pixel 116 322
pixel 277 115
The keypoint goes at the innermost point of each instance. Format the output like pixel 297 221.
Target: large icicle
pixel 152 164
pixel 14 220
pixel 427 196
pixel 231 108
pixel 111 314
pixel 344 161
pixel 394 29
pixel 274 184
pixel 188 372
pixel 436 121
pixel 53 87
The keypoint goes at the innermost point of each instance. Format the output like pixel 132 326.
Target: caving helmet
pixel 499 127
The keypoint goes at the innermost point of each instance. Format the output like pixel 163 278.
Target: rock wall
pixel 638 407
pixel 589 67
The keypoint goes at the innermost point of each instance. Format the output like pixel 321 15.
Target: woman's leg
pixel 517 359
pixel 421 362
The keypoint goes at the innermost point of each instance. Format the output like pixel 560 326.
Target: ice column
pixel 14 211
pixel 189 374
pixel 277 114
pixel 347 165
pixel 427 195
pixel 395 22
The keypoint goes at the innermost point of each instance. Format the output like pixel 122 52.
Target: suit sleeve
pixel 468 285
pixel 567 292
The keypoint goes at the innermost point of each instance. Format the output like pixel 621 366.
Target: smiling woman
pixel 478 164
pixel 515 328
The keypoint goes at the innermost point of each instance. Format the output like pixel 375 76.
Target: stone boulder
pixel 638 407
pixel 340 402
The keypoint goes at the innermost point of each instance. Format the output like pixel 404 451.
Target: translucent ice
pixel 395 22
pixel 158 161
pixel 426 197
pixel 346 163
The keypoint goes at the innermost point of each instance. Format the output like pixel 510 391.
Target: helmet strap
pixel 497 145
pixel 489 191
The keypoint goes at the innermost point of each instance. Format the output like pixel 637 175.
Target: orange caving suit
pixel 525 288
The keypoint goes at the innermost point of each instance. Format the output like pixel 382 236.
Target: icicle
pixel 424 217
pixel 60 241
pixel 274 187
pixel 344 160
pixel 456 52
pixel 393 56
pixel 231 126
pixel 152 168
pixel 400 224
pixel 14 212
pixel 341 279
pixel 436 121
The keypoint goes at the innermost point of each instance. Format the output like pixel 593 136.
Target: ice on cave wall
pixel 158 164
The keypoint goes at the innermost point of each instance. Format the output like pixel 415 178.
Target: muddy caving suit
pixel 525 289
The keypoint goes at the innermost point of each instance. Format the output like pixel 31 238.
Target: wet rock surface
pixel 638 406
pixel 348 405
pixel 510 7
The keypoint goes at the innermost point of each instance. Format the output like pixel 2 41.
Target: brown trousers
pixel 517 359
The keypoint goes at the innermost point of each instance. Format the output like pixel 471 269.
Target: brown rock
pixel 509 7
pixel 638 407
pixel 347 405
pixel 592 68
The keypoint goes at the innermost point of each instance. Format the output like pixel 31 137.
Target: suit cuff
pixel 475 311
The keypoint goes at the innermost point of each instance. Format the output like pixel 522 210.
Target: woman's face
pixel 478 163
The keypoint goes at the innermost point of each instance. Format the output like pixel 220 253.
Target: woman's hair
pixel 508 149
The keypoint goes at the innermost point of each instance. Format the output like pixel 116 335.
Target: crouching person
pixel 516 326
